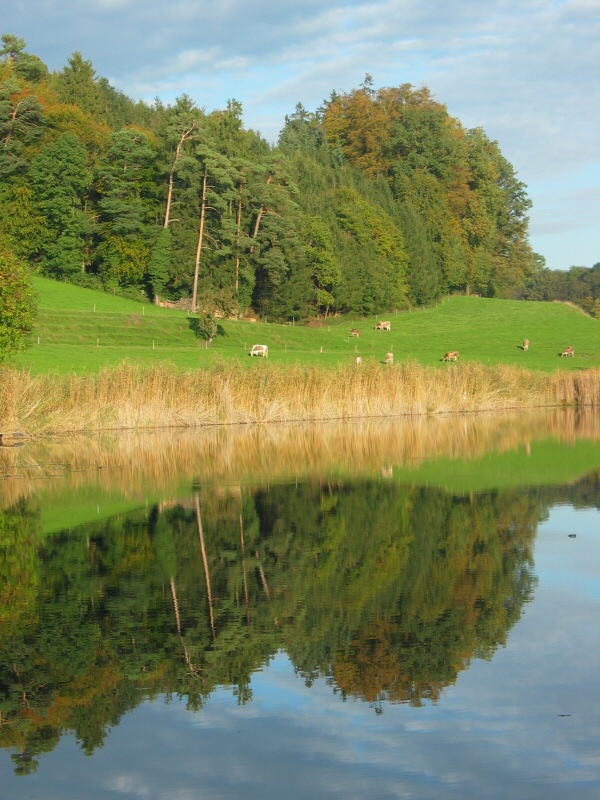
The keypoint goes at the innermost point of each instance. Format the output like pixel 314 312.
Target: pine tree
pixel 60 176
pixel 159 265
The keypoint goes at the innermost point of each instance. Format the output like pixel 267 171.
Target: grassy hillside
pixel 83 330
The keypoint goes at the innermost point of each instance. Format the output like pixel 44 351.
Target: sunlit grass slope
pixel 83 330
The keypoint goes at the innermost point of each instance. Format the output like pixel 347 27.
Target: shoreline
pixel 134 398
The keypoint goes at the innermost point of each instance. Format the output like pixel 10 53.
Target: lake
pixel 404 609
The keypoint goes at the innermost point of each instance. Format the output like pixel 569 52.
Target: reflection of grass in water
pixel 70 510
pixel 547 463
pixel 72 477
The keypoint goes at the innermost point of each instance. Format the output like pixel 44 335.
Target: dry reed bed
pixel 132 397
pixel 135 465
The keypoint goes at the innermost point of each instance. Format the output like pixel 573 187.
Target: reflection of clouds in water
pixel 132 784
pixel 571 564
pixel 494 734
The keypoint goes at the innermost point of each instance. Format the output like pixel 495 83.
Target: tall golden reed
pixel 134 397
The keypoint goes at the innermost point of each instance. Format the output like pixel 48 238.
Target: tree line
pixel 378 200
pixel 579 285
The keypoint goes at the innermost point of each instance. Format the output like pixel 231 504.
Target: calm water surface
pixel 386 611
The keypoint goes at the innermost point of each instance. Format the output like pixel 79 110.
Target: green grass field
pixel 83 330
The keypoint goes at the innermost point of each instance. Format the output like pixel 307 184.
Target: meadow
pixel 81 330
pixel 100 362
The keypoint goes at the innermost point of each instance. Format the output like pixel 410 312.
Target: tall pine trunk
pixel 206 569
pixel 187 134
pixel 237 254
pixel 200 239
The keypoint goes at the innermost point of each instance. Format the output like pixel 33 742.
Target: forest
pixel 378 200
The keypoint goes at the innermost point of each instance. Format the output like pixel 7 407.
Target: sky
pixel 526 71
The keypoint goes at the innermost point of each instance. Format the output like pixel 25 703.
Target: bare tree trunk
pixel 257 224
pixel 187 134
pixel 205 559
pixel 200 238
pixel 263 577
pixel 12 123
pixel 176 606
pixel 244 568
pixel 170 192
pixel 261 213
pixel 237 255
pixel 178 621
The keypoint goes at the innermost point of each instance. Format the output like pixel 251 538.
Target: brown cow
pixel 568 351
pixel 389 358
pixel 383 326
pixel 526 344
pixel 355 332
pixel 451 355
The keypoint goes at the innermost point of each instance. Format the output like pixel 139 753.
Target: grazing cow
pixel 355 332
pixel 568 351
pixel 451 355
pixel 526 344
pixel 358 361
pixel 260 350
pixel 389 358
pixel 383 326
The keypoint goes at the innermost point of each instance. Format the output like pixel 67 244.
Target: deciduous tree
pixel 17 305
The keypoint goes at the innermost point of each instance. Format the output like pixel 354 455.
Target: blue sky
pixel 524 70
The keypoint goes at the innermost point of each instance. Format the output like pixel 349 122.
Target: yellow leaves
pixel 360 124
pixel 127 258
pixel 64 118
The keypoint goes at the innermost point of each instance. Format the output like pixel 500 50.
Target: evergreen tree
pixel 125 184
pixel 423 271
pixel 22 123
pixel 324 269
pixel 159 265
pixel 216 226
pixel 61 177
pixel 77 84
pixel 26 66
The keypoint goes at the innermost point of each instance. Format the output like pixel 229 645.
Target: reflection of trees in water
pixel 386 591
pixel 451 578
